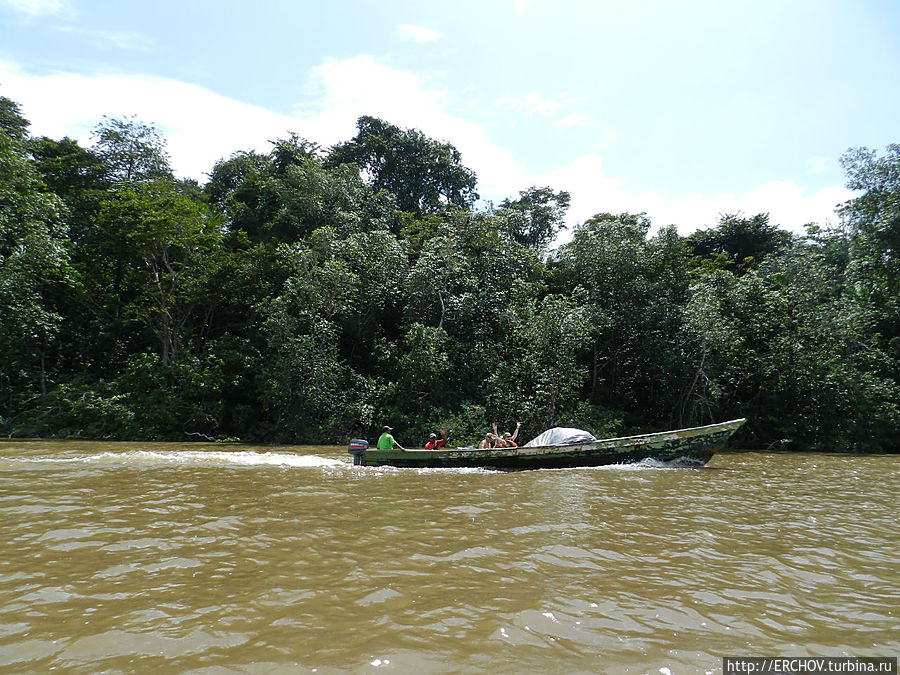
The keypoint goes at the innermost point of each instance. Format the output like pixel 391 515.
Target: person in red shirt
pixel 435 443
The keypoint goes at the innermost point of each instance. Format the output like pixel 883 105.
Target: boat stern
pixel 358 447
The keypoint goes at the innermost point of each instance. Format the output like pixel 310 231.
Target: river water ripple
pixel 120 557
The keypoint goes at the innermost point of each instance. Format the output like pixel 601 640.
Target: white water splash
pixel 182 458
pixel 649 463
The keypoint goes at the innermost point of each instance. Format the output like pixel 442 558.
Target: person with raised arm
pixel 435 443
pixel 507 440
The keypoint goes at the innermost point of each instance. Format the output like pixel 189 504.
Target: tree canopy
pixel 423 174
pixel 311 295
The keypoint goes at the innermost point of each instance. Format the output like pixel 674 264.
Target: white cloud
pixel 362 86
pixel 595 192
pixel 199 125
pixel 521 5
pixel 417 33
pixel 37 7
pixel 202 126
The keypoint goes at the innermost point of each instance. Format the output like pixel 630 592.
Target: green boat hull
pixel 694 446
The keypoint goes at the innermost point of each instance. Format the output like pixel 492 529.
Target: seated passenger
pixel 386 440
pixel 489 441
pixel 508 440
pixel 435 443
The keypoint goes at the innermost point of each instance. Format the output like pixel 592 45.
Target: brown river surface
pixel 141 557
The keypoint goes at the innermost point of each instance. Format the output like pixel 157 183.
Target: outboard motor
pixel 358 449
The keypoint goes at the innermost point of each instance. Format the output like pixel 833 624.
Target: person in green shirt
pixel 387 442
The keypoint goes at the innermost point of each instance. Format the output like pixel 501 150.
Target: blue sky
pixel 684 110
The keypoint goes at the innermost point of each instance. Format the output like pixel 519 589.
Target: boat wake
pixel 684 463
pixel 645 464
pixel 427 470
pixel 138 458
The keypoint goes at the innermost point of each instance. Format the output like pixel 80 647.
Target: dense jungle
pixel 311 295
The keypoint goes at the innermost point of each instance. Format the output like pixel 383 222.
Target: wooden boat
pixel 693 447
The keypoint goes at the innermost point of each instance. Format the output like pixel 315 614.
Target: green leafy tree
pixel 79 177
pixel 12 123
pixel 131 149
pixel 309 388
pixel 239 188
pixel 739 243
pixel 474 283
pixel 33 266
pixel 633 290
pixel 66 168
pixel 536 217
pixel 873 220
pixel 437 278
pixel 423 369
pixel 788 348
pixel 425 175
pixel 167 241
pixel 303 295
pixel 286 195
pixel 544 383
pixel 311 197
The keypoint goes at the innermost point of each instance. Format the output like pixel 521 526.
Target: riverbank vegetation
pixel 313 294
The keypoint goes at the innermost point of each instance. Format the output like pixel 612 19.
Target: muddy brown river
pixel 141 557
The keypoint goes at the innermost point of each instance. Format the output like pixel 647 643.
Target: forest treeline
pixel 312 294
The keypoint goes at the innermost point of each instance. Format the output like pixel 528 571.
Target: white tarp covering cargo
pixel 561 436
